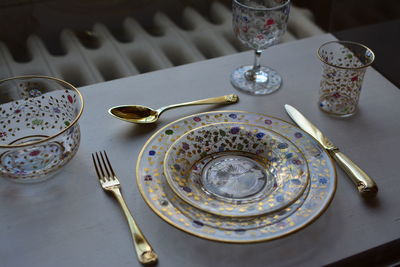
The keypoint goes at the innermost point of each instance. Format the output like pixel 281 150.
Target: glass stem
pixel 251 74
pixel 257 58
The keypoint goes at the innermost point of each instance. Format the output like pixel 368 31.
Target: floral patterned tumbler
pixel 344 66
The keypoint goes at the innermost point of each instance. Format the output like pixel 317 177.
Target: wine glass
pixel 258 24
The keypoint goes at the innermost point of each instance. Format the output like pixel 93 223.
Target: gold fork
pixel 109 182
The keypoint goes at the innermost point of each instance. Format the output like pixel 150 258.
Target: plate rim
pixel 198 235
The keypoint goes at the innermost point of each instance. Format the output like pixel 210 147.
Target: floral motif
pixel 260 135
pixel 343 73
pixel 280 198
pixel 298 135
pixel 185 146
pixel 233 116
pixel 323 180
pixel 187 156
pixel 37 122
pixel 36 113
pixel 34 153
pixel 283 146
pixel 297 162
pixel 186 189
pixel 355 78
pixel 235 130
pixel 183 216
pixel 259 28
pixel 35 92
pixel 198 224
pixel 269 22
pixel 43 112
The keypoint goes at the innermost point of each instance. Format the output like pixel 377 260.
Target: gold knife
pixel 365 185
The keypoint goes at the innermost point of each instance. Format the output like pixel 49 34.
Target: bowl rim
pixel 67 84
pixel 170 183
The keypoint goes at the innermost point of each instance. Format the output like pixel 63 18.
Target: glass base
pixel 342 107
pixel 264 82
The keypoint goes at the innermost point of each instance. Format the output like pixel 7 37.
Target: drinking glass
pixel 258 24
pixel 39 131
pixel 344 66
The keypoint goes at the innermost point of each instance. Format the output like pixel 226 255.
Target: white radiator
pixel 171 46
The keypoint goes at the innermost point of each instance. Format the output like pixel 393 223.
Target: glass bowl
pixel 39 131
pixel 236 169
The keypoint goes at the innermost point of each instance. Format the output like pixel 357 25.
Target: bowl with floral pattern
pixel 236 169
pixel 39 131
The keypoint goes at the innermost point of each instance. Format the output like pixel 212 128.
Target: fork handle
pixel 145 252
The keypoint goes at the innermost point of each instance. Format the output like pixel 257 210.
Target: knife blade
pixel 365 185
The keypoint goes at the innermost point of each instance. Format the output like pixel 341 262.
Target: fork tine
pixel 109 176
pixel 103 175
pixel 109 163
pixel 96 168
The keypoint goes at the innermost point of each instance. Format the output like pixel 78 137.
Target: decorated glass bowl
pixel 39 131
pixel 236 169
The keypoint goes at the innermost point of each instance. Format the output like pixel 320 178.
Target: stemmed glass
pixel 258 24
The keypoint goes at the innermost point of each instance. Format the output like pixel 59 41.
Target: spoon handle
pixel 226 99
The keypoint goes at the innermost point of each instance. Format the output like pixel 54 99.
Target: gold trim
pixel 168 177
pixel 329 201
pixel 64 130
pixel 345 42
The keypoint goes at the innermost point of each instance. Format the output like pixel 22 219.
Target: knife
pixel 365 185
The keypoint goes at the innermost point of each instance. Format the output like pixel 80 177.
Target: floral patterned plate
pixel 236 169
pixel 159 196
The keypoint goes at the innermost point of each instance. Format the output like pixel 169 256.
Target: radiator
pixel 96 55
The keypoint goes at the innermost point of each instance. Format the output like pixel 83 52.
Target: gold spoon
pixel 143 114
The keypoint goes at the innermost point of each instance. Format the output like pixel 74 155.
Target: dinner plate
pixel 159 196
pixel 236 169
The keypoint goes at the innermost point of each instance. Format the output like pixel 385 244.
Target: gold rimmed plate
pixel 163 201
pixel 236 169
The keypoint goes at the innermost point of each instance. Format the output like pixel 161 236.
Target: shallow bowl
pixel 236 169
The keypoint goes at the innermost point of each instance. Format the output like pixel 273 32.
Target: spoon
pixel 143 114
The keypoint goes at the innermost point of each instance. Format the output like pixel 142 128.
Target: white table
pixel 70 221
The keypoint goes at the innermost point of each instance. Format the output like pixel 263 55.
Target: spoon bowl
pixel 144 115
pixel 134 113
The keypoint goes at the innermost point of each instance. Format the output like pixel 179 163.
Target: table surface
pixel 70 221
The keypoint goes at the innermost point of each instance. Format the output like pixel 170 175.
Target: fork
pixel 109 182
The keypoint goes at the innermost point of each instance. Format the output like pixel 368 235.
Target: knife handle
pixel 365 185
